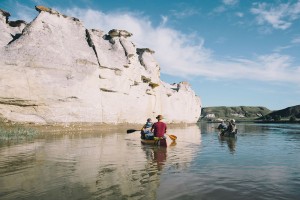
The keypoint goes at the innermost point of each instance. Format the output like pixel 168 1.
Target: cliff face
pixel 55 70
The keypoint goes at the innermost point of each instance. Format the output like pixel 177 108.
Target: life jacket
pixel 148 125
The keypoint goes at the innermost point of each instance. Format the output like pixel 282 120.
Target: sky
pixel 232 52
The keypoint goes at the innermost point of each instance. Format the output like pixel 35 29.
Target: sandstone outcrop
pixel 55 70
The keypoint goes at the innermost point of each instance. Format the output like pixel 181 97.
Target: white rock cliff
pixel 55 70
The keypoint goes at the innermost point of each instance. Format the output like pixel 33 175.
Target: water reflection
pixel 115 165
pixel 156 156
pixel 173 143
pixel 230 141
pixel 160 157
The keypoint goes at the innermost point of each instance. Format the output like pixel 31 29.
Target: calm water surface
pixel 263 162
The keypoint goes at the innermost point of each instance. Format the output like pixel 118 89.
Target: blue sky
pixel 232 52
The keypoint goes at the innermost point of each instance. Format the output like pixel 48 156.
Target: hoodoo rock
pixel 53 69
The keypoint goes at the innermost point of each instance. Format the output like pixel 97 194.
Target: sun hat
pixel 233 121
pixel 159 117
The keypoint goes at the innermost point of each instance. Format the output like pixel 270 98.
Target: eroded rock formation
pixel 55 70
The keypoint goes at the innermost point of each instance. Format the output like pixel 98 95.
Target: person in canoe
pixel 146 130
pixel 222 126
pixel 159 128
pixel 231 129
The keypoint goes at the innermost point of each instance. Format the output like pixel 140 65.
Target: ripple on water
pixel 262 163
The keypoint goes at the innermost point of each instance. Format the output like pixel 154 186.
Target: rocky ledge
pixel 53 69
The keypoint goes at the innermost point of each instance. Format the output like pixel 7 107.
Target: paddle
pixel 132 130
pixel 172 137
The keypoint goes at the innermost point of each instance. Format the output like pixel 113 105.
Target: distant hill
pixel 286 113
pixel 239 112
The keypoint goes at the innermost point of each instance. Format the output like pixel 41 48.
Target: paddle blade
pixel 172 137
pixel 131 130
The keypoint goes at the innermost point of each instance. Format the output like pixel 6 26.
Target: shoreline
pixel 257 121
pixel 56 128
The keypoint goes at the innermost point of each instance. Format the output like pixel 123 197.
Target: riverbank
pixel 278 122
pixel 257 121
pixel 12 130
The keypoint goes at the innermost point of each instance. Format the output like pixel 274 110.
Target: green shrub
pixel 268 118
pixel 16 133
pixel 277 118
pixel 292 119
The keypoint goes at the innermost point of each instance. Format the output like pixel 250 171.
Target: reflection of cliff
pixel 12 158
pixel 95 165
pixel 187 145
pixel 130 169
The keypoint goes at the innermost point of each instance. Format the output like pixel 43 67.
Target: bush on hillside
pixel 292 119
pixel 277 118
pixel 267 118
pixel 239 112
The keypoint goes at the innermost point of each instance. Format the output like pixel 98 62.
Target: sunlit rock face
pixel 9 30
pixel 55 70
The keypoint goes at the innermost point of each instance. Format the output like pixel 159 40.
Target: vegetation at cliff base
pixel 16 133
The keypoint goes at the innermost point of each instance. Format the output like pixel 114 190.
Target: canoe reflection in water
pixel 156 155
pixel 231 142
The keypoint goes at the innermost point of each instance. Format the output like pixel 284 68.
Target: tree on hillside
pixel 267 118
pixel 277 118
pixel 292 118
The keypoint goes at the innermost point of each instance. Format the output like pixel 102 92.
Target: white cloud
pixel 296 40
pixel 230 2
pixel 23 12
pixel 295 10
pixel 183 13
pixel 280 48
pixel 280 16
pixel 239 14
pixel 226 4
pixel 219 9
pixel 164 20
pixel 221 40
pixel 293 43
pixel 185 55
pixel 38 2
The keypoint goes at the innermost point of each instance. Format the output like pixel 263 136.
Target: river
pixel 263 162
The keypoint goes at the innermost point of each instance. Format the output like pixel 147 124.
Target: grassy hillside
pixel 285 113
pixel 239 112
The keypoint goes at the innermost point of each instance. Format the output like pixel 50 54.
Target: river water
pixel 263 162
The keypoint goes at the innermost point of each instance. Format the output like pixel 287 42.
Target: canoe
pixel 159 142
pixel 229 134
